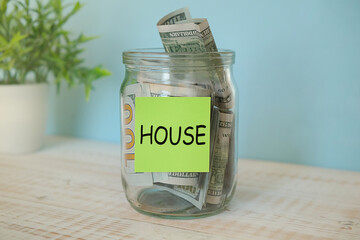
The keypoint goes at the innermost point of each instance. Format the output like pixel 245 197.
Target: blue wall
pixel 297 70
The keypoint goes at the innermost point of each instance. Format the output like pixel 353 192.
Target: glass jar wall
pixel 154 73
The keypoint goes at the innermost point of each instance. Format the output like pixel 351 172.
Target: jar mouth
pixel 146 57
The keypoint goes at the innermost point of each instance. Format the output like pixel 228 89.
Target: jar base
pixel 163 204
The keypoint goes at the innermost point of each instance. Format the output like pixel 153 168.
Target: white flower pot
pixel 23 112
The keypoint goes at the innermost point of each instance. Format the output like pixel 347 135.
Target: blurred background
pixel 297 71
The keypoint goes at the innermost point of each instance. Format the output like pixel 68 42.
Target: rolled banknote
pixel 220 158
pixel 177 178
pixel 164 90
pixel 144 89
pixel 194 35
pixel 175 16
pixel 128 120
pixel 230 176
pixel 194 195
pixel 190 186
pixel 128 113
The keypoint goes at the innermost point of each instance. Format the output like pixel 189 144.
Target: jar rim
pixel 139 56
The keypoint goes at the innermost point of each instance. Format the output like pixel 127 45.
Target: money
pixel 146 89
pixel 213 131
pixel 177 178
pixel 190 186
pixel 128 113
pixel 164 90
pixel 180 33
pixel 194 195
pixel 220 158
pixel 230 177
pixel 192 191
pixel 175 16
pixel 194 35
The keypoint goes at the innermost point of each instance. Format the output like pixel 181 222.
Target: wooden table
pixel 72 190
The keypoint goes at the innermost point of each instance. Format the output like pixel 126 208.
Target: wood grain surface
pixel 72 189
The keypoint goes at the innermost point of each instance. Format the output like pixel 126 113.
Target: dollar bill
pixel 175 16
pixel 128 150
pixel 194 35
pixel 230 176
pixel 128 120
pixel 193 194
pixel 145 89
pixel 191 186
pixel 220 158
pixel 214 131
pixel 191 178
pixel 177 178
pixel 164 90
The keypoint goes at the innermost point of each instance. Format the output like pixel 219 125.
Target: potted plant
pixel 35 49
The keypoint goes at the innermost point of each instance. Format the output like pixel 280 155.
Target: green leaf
pixel 3 42
pixel 76 7
pixel 87 92
pixel 4 5
pixel 39 6
pixel 102 72
pixel 57 6
pixel 17 38
pixel 83 38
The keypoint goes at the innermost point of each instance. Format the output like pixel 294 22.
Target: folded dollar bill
pixel 181 33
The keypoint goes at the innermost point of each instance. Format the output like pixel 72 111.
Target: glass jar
pixel 154 73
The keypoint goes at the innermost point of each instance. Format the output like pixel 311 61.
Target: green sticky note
pixel 172 134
